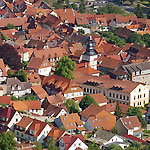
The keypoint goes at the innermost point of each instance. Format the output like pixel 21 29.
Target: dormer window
pixel 13 87
pixel 19 87
pixel 31 132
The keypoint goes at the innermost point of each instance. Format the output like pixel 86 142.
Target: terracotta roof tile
pixel 26 105
pixel 71 121
pixel 131 122
pixel 103 119
pixel 5 99
pixel 2 67
pixel 24 122
pixel 41 93
pixel 14 21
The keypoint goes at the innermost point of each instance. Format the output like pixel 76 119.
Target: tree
pixel 93 146
pixel 139 11
pixel 10 56
pixel 81 31
pixel 65 67
pixel 75 6
pixel 52 146
pixel 7 141
pixel 118 112
pixel 72 106
pixel 30 97
pixel 130 148
pixel 135 38
pixel 145 38
pixel 114 130
pixel 136 144
pixel 21 75
pixel 38 146
pixel 135 111
pixel 10 26
pixel 87 101
pixel 114 147
pixel 132 1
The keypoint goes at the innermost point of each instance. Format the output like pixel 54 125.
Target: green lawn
pixel 46 1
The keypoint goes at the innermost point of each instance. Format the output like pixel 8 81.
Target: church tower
pixel 90 55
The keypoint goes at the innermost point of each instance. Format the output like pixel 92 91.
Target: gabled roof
pixel 33 77
pixel 26 105
pixel 61 83
pixel 39 91
pixel 54 99
pixel 66 14
pixel 103 119
pixel 103 135
pixel 130 122
pixel 70 139
pixel 56 133
pixel 14 21
pixel 37 63
pixel 53 110
pixel 37 126
pixel 99 98
pixel 5 99
pixel 101 81
pixel 72 121
pixel 7 112
pixel 134 138
pixel 81 18
pixel 2 67
pixel 24 122
pixel 108 62
pixel 50 53
pixel 92 110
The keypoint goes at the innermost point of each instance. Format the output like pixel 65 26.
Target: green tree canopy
pixel 21 75
pixel 110 8
pixel 114 130
pixel 72 106
pixel 93 146
pixel 38 146
pixel 118 112
pixel 52 145
pixel 65 67
pixel 87 101
pixel 10 26
pixel 7 141
pixel 139 11
pixel 75 6
pixel 135 111
pixel 114 147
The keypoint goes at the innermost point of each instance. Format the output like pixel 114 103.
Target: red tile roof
pixel 103 119
pixel 2 67
pixel 66 14
pixel 5 99
pixel 131 122
pixel 134 138
pixel 70 139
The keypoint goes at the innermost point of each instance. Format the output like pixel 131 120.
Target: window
pixel 120 96
pixel 124 97
pixel 16 120
pixel 109 94
pixel 144 95
pixel 117 96
pixel 113 95
pixel 139 90
pixel 127 97
pixel 134 97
